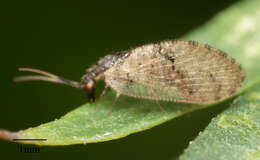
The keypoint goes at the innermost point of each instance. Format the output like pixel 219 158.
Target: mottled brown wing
pixel 176 71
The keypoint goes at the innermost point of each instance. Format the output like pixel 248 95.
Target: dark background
pixel 65 38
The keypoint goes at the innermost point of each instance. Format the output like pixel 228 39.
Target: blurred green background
pixel 65 38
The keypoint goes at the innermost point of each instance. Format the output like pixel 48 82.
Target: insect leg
pixel 103 93
pixel 156 101
pixel 101 97
pixel 116 98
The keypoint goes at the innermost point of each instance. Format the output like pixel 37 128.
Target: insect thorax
pixel 95 72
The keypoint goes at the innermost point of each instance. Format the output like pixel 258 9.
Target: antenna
pixel 45 76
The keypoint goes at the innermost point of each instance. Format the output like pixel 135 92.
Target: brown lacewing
pixel 180 71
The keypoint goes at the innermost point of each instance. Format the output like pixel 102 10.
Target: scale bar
pixel 24 139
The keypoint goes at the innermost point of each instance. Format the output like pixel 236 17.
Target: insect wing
pixel 179 71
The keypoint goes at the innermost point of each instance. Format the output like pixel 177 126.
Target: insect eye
pixel 90 85
pixel 90 90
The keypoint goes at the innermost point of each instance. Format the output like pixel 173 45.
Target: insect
pixel 180 71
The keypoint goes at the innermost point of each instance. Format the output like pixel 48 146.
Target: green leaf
pixel 130 115
pixel 89 124
pixel 232 135
pixel 235 133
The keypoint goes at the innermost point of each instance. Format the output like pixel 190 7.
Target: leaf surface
pixel 232 135
pixel 235 133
